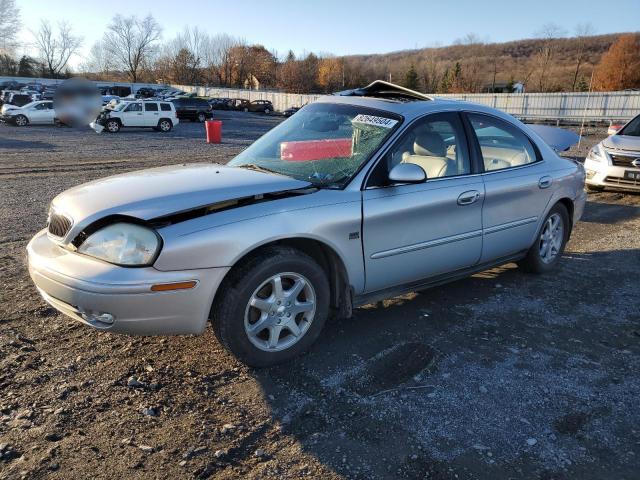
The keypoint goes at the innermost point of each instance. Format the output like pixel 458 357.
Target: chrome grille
pixel 59 225
pixel 623 160
pixel 623 182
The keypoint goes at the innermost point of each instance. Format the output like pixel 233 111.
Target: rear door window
pixel 502 145
pixel 151 107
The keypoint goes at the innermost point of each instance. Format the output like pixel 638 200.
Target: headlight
pixel 596 154
pixel 125 244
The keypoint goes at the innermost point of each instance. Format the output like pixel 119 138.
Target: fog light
pixel 97 317
pixel 590 173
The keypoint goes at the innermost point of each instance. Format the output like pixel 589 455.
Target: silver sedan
pixel 357 197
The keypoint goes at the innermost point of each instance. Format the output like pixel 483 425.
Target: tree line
pixel 132 49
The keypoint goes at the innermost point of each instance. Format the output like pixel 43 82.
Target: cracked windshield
pixel 324 144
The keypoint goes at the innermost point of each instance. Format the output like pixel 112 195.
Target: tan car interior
pixel 499 157
pixel 430 152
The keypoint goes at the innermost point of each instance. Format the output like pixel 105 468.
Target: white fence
pixel 569 107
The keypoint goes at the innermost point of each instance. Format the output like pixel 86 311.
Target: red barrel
pixel 214 131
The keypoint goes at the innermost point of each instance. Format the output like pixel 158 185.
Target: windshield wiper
pixel 259 168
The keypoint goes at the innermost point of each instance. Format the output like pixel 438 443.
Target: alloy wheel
pixel 165 126
pixel 280 311
pixel 551 238
pixel 21 120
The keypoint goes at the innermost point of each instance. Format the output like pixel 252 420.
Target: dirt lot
pixel 502 375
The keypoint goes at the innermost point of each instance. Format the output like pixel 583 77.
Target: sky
pixel 339 27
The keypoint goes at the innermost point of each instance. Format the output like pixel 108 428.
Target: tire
pixel 267 111
pixel 164 125
pixel 245 109
pixel 201 117
pixel 594 188
pixel 544 255
pixel 112 126
pixel 21 121
pixel 233 315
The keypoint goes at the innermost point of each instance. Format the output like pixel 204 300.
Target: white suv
pixel 160 116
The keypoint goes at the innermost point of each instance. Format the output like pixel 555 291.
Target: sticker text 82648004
pixel 374 120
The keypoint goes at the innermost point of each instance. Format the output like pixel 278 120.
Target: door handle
pixel 467 198
pixel 545 182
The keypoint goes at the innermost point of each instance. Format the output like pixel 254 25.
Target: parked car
pixel 615 161
pixel 194 109
pixel 40 112
pixel 19 99
pixel 221 103
pixel 356 198
pixel 262 106
pixel 116 90
pixel 160 116
pixel 239 104
pixel 145 92
pixel 614 128
pixel 49 92
pixel 290 111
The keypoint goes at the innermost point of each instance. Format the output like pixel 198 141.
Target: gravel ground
pixel 501 375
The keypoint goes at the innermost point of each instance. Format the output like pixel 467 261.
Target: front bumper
pixel 89 290
pixel 600 174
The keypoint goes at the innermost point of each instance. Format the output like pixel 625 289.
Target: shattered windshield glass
pixel 323 143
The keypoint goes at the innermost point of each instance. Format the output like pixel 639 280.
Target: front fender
pixel 206 242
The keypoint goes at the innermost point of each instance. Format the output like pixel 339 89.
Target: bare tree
pixel 549 34
pixel 99 61
pixel 131 41
pixel 9 25
pixel 583 31
pixel 55 49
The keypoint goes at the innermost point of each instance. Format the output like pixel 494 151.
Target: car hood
pixel 158 192
pixel 622 142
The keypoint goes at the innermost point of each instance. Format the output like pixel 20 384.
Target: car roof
pixel 415 108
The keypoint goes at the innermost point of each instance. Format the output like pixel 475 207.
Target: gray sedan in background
pixel 358 197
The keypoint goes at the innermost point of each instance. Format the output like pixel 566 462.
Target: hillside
pixel 541 64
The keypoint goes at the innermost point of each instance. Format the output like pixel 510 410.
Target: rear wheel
pixel 164 125
pixel 202 117
pixel 245 109
pixel 21 120
pixel 272 308
pixel 112 126
pixel 267 111
pixel 545 253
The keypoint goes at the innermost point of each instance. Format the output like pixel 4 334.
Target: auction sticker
pixel 376 121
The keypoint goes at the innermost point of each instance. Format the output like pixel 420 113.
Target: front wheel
pixel 201 117
pixel 113 126
pixel 21 121
pixel 545 253
pixel 272 308
pixel 267 111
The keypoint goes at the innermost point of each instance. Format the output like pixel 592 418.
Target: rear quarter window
pixel 165 107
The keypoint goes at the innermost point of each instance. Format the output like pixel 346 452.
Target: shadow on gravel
pixel 607 213
pixel 495 376
pixel 12 143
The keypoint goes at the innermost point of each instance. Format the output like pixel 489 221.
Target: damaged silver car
pixel 358 197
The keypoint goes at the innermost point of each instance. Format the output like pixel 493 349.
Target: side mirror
pixel 407 173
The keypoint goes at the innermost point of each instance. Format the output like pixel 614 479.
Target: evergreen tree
pixel 411 79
